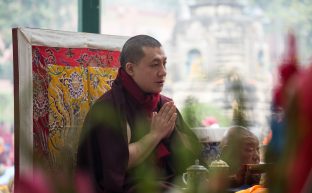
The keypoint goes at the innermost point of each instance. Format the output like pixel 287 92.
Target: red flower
pixel 34 183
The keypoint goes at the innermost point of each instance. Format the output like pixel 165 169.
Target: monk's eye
pixel 249 149
pixel 154 65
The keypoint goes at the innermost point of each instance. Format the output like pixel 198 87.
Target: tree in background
pixel 285 14
pixel 56 14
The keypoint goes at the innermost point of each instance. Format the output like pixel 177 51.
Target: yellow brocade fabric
pixel 71 92
pixel 100 81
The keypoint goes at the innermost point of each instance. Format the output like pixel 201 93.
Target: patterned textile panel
pixel 67 81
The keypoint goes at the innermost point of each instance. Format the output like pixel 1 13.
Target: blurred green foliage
pixel 194 112
pixel 56 14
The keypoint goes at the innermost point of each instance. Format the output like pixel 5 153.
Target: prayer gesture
pixel 163 122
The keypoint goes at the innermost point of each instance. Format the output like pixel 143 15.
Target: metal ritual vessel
pixel 195 176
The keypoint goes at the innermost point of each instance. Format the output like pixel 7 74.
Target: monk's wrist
pixel 155 136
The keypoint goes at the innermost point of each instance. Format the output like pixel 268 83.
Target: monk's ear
pixel 129 68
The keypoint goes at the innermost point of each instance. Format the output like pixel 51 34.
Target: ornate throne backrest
pixel 57 77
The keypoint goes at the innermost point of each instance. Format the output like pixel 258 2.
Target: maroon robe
pixel 103 151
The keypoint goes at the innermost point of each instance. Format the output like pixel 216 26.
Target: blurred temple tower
pixel 214 40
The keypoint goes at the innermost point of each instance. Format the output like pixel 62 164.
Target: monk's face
pixel 250 151
pixel 150 72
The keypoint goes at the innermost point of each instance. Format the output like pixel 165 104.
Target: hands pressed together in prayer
pixel 162 126
pixel 163 122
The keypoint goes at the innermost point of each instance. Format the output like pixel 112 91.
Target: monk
pixel 134 139
pixel 240 147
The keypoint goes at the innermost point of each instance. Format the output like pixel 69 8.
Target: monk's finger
pixel 172 120
pixel 164 109
pixel 170 112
